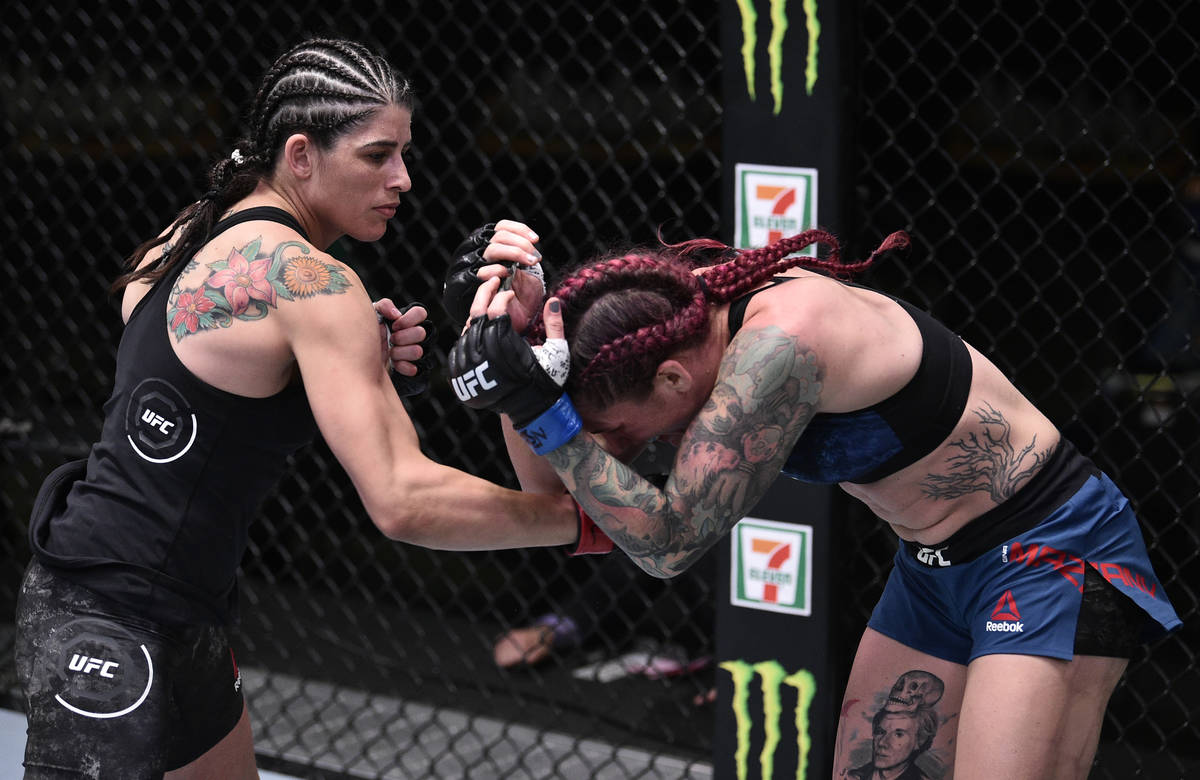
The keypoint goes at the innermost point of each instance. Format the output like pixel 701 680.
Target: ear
pixel 673 377
pixel 300 155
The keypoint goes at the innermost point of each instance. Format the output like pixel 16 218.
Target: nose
pixel 399 178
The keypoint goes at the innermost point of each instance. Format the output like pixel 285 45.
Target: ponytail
pixel 230 179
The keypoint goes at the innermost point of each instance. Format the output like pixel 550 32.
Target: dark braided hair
pixel 625 314
pixel 323 88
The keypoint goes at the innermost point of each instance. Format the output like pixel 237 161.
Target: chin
pixel 368 234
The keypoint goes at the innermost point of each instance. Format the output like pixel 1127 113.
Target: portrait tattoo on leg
pixel 903 727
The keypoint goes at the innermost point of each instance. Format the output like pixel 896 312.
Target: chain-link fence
pixel 1041 160
pixel 360 655
pixel 1044 157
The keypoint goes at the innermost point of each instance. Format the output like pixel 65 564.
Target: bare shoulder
pixel 812 307
pixel 253 272
pixel 866 345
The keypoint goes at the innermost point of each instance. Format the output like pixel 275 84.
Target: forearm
pixel 443 508
pixel 662 531
pixel 533 472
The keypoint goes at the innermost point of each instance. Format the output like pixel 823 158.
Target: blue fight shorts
pixel 1057 570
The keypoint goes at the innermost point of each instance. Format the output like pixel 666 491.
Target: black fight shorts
pixel 111 695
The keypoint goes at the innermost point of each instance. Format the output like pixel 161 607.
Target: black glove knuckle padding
pixel 419 383
pixel 461 280
pixel 513 381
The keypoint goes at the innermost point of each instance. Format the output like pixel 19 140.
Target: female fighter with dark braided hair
pixel 243 338
pixel 1021 584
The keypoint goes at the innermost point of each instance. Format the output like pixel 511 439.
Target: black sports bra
pixel 866 445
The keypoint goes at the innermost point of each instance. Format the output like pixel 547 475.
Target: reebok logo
pixel 237 673
pixel 1005 617
pixel 1006 608
pixel 469 384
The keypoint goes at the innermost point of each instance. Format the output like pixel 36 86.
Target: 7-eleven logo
pixel 771 566
pixel 772 202
pixel 781 200
pixel 777 554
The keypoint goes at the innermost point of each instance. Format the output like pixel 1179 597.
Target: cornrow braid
pixel 323 88
pixel 624 315
pixel 622 312
pixel 326 86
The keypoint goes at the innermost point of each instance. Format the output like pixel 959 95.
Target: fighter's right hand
pixel 492 367
pixel 494 250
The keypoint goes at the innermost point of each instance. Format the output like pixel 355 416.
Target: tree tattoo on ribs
pixel 248 284
pixel 987 461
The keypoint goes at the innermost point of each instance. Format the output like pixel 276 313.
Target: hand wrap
pixel 461 280
pixel 591 540
pixel 491 367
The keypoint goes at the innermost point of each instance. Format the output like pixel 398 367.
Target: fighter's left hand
pixel 406 340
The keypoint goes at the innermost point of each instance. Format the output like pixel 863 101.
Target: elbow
pixel 410 527
pixel 670 556
pixel 394 522
pixel 405 507
pixel 397 516
pixel 661 566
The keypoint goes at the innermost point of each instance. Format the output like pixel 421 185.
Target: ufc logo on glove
pixel 469 384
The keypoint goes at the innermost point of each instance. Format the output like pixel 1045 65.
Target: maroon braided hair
pixel 624 315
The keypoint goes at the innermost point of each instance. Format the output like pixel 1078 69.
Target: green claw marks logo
pixel 779 25
pixel 773 677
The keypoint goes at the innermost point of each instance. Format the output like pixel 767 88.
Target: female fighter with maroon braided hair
pixel 1021 583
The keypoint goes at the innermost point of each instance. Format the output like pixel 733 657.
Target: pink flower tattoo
pixel 243 280
pixel 189 305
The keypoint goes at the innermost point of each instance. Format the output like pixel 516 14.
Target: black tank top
pixel 160 521
pixel 869 444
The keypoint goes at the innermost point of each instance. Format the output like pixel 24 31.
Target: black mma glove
pixel 492 367
pixel 419 382
pixel 461 279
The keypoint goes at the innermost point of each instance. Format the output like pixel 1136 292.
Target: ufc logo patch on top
pixel 469 384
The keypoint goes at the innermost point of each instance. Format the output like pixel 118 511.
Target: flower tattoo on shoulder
pixel 248 284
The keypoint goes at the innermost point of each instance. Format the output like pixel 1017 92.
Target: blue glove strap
pixel 552 428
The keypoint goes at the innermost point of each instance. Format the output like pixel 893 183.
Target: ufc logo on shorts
pixel 932 557
pixel 82 663
pixel 469 384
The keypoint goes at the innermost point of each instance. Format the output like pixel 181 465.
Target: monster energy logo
pixel 779 25
pixel 773 676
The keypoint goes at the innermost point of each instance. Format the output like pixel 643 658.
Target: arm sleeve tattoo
pixel 767 390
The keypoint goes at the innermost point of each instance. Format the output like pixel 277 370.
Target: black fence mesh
pixel 1045 162
pixel 1042 160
